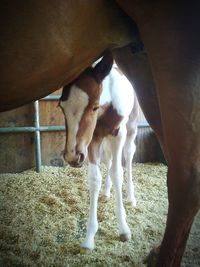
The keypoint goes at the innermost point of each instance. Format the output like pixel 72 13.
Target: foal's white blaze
pixel 73 108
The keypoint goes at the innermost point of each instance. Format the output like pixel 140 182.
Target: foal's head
pixel 80 103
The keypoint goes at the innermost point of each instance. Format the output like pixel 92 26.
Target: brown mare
pixel 47 44
pixel 101 114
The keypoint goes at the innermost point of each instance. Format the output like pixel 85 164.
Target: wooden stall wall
pixel 147 146
pixel 52 142
pixel 17 151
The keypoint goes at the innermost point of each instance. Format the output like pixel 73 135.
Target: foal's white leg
pixel 117 179
pixel 94 180
pixel 107 159
pixel 129 151
pixel 108 182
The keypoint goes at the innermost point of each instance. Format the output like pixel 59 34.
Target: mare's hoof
pixel 85 250
pixel 125 237
pixel 151 259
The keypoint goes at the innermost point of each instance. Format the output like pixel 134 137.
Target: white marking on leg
pixel 108 182
pixel 94 179
pixel 106 158
pixel 117 179
pixel 129 151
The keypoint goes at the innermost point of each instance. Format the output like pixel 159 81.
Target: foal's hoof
pixel 151 259
pixel 132 203
pixel 104 198
pixel 125 237
pixel 85 250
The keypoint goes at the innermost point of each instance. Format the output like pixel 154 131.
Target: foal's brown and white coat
pixel 101 116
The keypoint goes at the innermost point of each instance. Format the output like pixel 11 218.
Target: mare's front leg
pixel 116 173
pixel 177 75
pixel 172 40
pixel 94 181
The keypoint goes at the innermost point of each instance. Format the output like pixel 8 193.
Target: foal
pixel 97 111
pixel 129 149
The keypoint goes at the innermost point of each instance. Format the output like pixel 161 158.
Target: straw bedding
pixel 43 220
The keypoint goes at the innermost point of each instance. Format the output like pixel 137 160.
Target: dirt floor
pixel 43 220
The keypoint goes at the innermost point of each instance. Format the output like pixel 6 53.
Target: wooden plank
pixel 17 150
pixel 52 145
pixel 23 116
pixel 147 146
pixel 52 142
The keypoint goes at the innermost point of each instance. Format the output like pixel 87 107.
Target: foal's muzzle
pixel 77 161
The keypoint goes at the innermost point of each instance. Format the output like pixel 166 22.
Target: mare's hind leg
pixel 172 40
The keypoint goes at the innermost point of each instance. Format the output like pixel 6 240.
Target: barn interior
pixel 43 215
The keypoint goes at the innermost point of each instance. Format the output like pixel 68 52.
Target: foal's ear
pixel 65 92
pixel 102 69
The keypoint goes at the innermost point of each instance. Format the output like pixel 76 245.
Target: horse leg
pixel 107 159
pixel 108 182
pixel 174 241
pixel 184 202
pixel 116 173
pixel 172 41
pixel 129 151
pixel 94 180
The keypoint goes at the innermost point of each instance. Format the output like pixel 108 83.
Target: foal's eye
pixel 95 108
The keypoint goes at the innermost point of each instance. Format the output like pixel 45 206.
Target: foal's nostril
pixel 81 157
pixel 64 155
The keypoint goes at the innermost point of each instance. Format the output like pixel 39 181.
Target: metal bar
pixel 143 125
pixel 31 129
pixel 52 128
pixel 17 129
pixel 51 97
pixel 45 128
pixel 37 137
